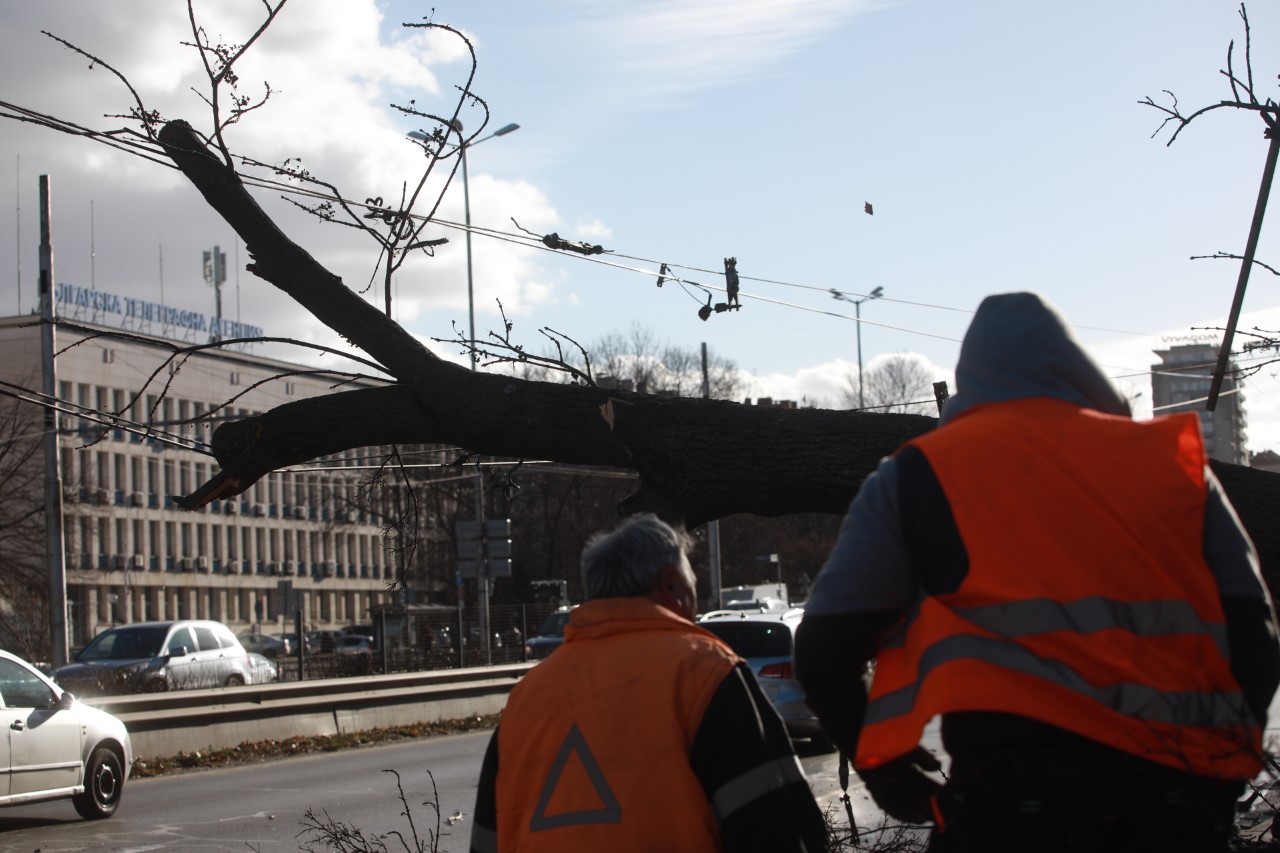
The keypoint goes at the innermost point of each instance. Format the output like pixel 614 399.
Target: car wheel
pixel 234 680
pixel 103 785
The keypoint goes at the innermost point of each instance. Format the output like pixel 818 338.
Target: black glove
pixel 901 787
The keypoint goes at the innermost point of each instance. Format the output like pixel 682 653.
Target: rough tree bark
pixel 697 459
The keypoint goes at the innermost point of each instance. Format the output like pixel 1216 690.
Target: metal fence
pixel 420 638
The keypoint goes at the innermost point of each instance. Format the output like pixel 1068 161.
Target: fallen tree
pixel 697 459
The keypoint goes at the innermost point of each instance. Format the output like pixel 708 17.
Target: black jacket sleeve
pixel 832 652
pixel 1251 622
pixel 1255 653
pixel 484 826
pixel 744 759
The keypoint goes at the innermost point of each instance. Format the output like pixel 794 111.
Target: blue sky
pixel 1001 144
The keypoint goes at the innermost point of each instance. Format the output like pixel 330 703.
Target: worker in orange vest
pixel 642 732
pixel 1070 590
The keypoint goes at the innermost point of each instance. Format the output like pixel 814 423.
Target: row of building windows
pixel 106 605
pixel 120 543
pixel 145 478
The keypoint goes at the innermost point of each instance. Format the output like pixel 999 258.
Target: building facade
pixel 1180 383
pixel 310 539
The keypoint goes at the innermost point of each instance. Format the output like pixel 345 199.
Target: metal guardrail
pixel 164 724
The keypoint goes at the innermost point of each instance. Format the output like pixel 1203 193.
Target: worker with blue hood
pixel 1070 590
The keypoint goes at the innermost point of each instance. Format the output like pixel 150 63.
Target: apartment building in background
pixel 1180 383
pixel 296 539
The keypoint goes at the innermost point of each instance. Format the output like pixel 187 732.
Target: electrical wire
pixel 147 151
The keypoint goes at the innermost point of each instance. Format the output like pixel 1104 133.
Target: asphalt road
pixel 260 807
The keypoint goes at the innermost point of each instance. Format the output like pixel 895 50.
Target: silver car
pixel 766 639
pixel 58 748
pixel 150 657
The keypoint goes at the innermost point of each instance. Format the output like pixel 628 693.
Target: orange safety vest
pixel 593 750
pixel 1087 605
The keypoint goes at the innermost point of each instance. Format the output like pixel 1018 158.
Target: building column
pixel 91 604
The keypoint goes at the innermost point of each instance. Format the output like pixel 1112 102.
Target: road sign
pixel 288 599
pixel 487 545
pixel 497 568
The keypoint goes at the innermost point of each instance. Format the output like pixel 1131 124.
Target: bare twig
pixel 1230 256
pixel 502 350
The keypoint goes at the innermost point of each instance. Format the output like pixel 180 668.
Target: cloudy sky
pixel 1002 145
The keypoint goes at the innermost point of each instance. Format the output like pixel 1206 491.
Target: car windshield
pixel 135 641
pixel 753 639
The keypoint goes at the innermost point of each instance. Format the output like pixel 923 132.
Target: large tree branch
pixel 697 459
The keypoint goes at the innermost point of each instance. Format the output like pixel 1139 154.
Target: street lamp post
pixel 482 573
pixel 466 214
pixel 857 311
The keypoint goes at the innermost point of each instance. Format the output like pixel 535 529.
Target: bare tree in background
pixel 901 383
pixel 661 367
pixel 24 575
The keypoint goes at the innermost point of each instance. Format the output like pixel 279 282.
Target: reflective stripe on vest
pixel 1087 604
pixel 1042 616
pixel 755 783
pixel 1141 701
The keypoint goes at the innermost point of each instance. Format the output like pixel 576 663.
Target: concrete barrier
pixel 164 724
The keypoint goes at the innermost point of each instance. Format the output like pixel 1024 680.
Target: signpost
pixel 484 553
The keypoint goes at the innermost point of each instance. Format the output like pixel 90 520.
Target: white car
pixel 766 639
pixel 147 657
pixel 58 748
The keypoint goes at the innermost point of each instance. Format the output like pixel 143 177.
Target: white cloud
pixel 593 229
pixel 669 46
pixel 821 385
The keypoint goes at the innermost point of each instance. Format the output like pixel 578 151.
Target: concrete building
pixel 1180 383
pixel 300 538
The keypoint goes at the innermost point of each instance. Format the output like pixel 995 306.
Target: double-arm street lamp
pixel 857 311
pixel 466 212
pixel 482 573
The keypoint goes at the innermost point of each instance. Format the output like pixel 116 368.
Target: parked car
pixel 361 630
pixel 156 656
pixel 262 669
pixel 758 605
pixel 267 645
pixel 352 644
pixel 292 638
pixel 550 634
pixel 322 642
pixel 766 639
pixel 59 748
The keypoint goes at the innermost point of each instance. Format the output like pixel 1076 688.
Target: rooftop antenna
pixel 164 322
pixel 235 247
pixel 17 185
pixel 215 273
